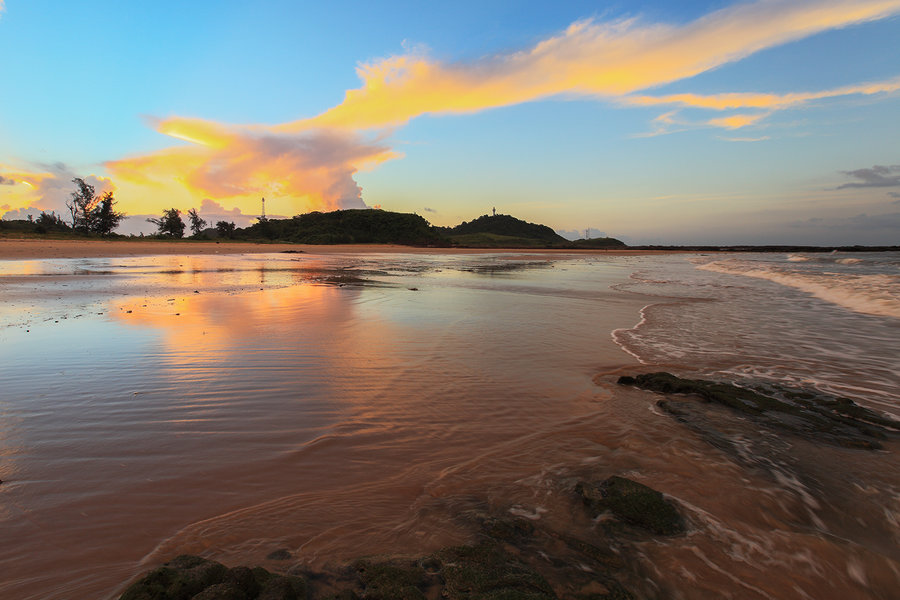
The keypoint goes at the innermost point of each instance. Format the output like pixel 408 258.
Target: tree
pixel 225 229
pixel 103 218
pixel 49 222
pixel 197 224
pixel 170 224
pixel 91 213
pixel 81 204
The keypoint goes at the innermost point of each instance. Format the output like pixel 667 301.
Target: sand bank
pixel 14 249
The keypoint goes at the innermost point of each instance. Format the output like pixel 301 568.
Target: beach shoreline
pixel 37 249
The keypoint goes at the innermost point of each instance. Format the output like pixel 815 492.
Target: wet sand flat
pixel 13 249
pixel 344 404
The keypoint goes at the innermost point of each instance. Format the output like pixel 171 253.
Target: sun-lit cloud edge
pixel 767 104
pixel 590 58
pixel 42 189
pixel 237 165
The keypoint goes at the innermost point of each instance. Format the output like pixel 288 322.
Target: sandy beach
pixel 28 249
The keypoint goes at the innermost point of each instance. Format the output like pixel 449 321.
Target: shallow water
pixel 347 406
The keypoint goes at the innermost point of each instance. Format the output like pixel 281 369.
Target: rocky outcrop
pixel 812 415
pixel 510 558
pixel 193 578
pixel 633 503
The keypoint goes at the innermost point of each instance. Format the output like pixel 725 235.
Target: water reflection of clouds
pixel 201 323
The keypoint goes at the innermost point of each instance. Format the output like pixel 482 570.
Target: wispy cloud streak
pixel 587 59
pixel 765 103
pixel 876 176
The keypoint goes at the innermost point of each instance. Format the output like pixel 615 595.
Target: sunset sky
pixel 698 121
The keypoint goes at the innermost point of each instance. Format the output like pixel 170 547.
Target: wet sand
pixel 337 406
pixel 15 249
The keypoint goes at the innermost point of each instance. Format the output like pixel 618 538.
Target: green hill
pixel 604 242
pixel 494 231
pixel 374 226
pixel 352 226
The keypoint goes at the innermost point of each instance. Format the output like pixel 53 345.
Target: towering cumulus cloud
pixel 312 161
pixel 314 168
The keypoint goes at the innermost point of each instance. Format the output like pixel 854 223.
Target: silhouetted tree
pixel 91 213
pixel 170 224
pixel 81 203
pixel 104 218
pixel 225 229
pixel 197 224
pixel 49 222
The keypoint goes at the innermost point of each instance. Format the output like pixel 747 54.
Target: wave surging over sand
pixel 867 293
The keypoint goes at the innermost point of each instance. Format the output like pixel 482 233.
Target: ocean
pixel 347 405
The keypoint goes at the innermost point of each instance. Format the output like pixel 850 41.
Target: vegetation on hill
pixel 505 231
pixel 505 228
pixel 93 215
pixel 352 226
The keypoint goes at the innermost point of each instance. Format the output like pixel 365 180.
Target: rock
pixel 179 579
pixel 221 591
pixel 489 573
pixel 813 415
pixel 280 554
pixel 193 578
pixel 279 587
pixel 634 503
pixel 246 580
pixel 391 580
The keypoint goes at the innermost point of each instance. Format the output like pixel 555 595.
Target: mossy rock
pixel 816 416
pixel 634 503
pixel 193 578
pixel 391 580
pixel 486 572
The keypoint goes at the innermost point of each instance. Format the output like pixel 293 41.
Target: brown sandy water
pixel 232 406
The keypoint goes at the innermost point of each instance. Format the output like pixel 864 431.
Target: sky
pixel 655 122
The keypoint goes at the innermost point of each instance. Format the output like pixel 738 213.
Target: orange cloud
pixel 31 192
pixel 310 170
pixel 767 102
pixel 732 101
pixel 736 121
pixel 588 59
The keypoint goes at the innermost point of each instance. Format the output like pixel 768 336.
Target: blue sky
pixel 462 107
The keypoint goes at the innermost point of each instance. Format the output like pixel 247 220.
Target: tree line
pixel 91 213
pixel 170 224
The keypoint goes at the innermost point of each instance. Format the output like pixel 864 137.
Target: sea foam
pixel 876 294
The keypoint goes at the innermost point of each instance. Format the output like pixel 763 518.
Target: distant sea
pixel 347 405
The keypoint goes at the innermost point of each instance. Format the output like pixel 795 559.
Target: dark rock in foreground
pixel 194 578
pixel 633 503
pixel 812 415
pixel 485 571
pixel 513 559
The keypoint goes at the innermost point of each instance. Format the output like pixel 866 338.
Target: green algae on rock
pixel 634 503
pixel 813 415
pixel 194 578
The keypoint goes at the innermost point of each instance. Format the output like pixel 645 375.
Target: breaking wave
pixel 873 294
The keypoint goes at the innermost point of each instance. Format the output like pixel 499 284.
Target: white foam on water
pixel 877 294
